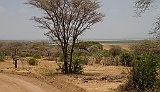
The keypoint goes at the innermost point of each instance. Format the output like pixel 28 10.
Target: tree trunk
pixel 15 58
pixel 65 60
pixel 71 55
pixel 15 63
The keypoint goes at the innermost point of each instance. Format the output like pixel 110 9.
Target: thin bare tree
pixel 156 30
pixel 66 20
pixel 141 7
pixel 13 49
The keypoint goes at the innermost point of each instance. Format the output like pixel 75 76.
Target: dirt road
pixel 12 84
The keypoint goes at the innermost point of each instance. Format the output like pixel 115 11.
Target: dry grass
pixel 99 78
pixel 46 68
pixel 123 46
pixel 91 80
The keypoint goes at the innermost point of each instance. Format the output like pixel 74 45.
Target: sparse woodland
pixel 142 57
pixel 65 21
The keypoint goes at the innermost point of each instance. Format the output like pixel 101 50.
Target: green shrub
pixel 115 50
pixel 144 76
pixel 37 56
pixel 2 56
pixel 25 55
pixel 77 64
pixel 32 61
pixel 105 53
pixel 84 60
pixel 126 59
pixel 146 71
pixel 158 84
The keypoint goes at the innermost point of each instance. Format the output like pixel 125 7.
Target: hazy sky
pixel 118 23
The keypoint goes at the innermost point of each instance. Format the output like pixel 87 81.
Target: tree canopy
pixel 66 20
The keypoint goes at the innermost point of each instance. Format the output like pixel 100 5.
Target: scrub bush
pixel 32 61
pixel 126 59
pixel 37 56
pixel 2 56
pixel 143 76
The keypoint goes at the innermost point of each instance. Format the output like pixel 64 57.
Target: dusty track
pixel 11 84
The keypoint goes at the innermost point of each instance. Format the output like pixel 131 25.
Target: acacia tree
pixel 141 7
pixel 66 20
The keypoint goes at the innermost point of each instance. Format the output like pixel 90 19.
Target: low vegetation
pixel 126 59
pixel 115 50
pixel 145 71
pixel 142 58
pixel 32 61
pixel 37 56
pixel 2 56
pixel 146 46
pixel 144 75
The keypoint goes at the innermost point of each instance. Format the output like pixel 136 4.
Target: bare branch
pixel 156 30
pixel 142 6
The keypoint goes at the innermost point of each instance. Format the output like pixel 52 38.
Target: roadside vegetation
pixel 142 58
pixel 145 72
